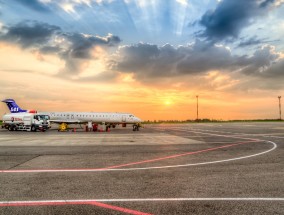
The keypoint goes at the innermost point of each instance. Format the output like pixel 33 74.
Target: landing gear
pixel 107 128
pixel 95 127
pixel 136 127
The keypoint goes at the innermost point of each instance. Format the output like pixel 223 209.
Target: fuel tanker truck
pixel 26 122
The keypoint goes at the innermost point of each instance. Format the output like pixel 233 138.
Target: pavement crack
pixel 23 162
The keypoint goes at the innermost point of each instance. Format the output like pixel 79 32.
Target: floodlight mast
pixel 197 108
pixel 279 97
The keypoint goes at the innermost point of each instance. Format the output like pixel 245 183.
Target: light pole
pixel 197 107
pixel 279 97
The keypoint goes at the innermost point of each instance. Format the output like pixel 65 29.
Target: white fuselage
pixel 95 117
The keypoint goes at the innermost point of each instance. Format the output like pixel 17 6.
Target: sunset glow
pixel 150 58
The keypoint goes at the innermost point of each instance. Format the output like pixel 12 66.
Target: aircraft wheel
pixel 134 127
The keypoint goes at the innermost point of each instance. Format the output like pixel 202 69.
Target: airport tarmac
pixel 196 168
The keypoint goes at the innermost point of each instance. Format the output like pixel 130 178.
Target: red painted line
pixel 178 155
pixel 124 210
pixel 60 203
pixel 133 163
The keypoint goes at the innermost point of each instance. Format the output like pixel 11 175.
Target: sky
pixel 148 57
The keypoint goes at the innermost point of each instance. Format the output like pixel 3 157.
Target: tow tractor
pixel 63 126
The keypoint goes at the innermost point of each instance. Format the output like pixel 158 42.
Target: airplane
pixel 66 118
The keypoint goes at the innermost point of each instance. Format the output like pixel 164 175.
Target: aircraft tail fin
pixel 13 107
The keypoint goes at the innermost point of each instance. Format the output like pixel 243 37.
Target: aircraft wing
pixel 67 121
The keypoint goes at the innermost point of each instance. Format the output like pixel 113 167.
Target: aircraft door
pixel 123 118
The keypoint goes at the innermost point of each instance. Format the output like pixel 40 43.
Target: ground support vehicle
pixel 26 122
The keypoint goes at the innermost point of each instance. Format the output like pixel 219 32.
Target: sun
pixel 168 102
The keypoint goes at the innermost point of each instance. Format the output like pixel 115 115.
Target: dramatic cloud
pixel 230 17
pixel 151 62
pixel 29 34
pixel 265 62
pixel 74 48
pixel 82 48
pixel 82 44
pixel 276 70
pixel 147 61
pixel 36 5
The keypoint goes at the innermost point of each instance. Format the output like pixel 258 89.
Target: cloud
pixel 203 57
pixel 137 57
pixel 148 61
pixel 75 49
pixel 265 64
pixel 29 34
pixel 49 49
pixel 230 17
pixel 81 49
pixel 87 57
pixel 105 76
pixel 261 61
pixel 81 44
pixel 182 2
pixel 36 5
pixel 250 42
pixel 266 3
pixel 254 41
pixel 276 70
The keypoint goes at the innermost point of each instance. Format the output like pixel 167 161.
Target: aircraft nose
pixel 138 119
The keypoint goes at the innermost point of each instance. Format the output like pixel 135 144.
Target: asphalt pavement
pixel 195 168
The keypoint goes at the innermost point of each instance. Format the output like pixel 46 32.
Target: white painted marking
pixel 158 167
pixel 146 168
pixel 233 135
pixel 218 135
pixel 144 200
pixel 197 164
pixel 277 137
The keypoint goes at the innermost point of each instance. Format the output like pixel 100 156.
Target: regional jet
pixel 66 118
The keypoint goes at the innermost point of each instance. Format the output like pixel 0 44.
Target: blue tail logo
pixel 13 107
